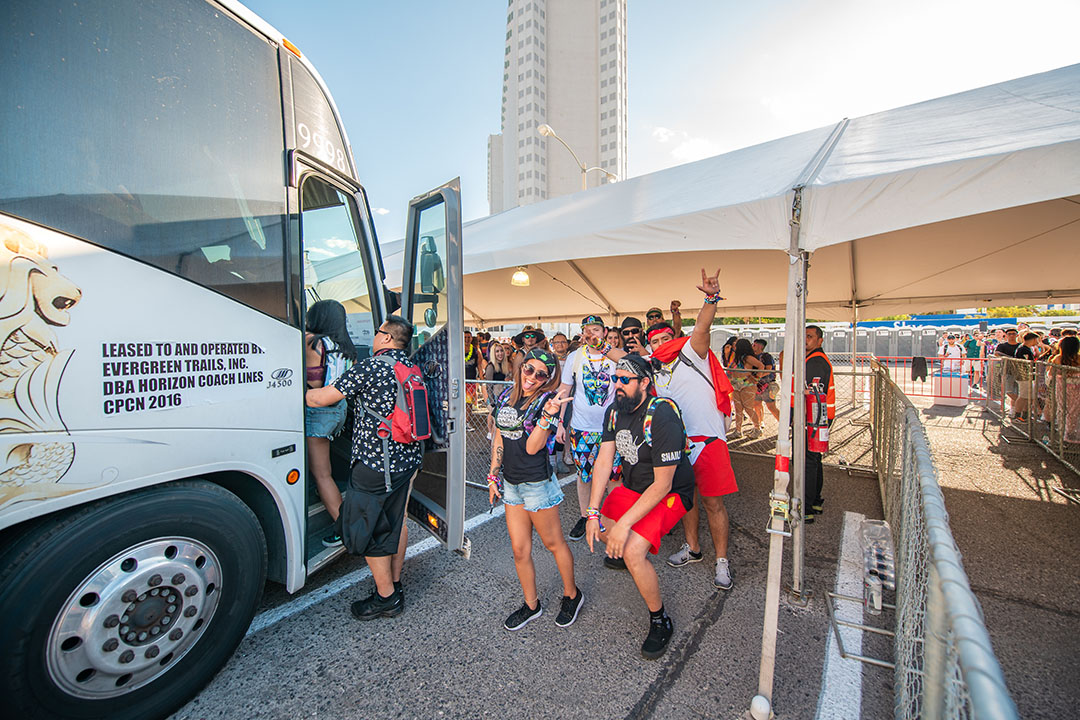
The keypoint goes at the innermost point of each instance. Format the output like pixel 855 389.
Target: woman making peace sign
pixel 525 415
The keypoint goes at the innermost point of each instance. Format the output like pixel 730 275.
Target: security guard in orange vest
pixel 817 366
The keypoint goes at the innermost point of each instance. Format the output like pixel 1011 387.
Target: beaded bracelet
pixel 592 513
pixel 493 481
pixel 544 423
pixel 605 348
pixel 713 299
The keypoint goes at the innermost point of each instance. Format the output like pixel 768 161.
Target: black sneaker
pixel 331 540
pixel 614 563
pixel 578 530
pixel 400 591
pixel 571 606
pixel 523 616
pixel 376 607
pixel 660 631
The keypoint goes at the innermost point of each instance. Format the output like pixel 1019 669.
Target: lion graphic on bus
pixel 34 299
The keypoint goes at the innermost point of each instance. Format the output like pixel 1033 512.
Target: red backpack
pixel 410 420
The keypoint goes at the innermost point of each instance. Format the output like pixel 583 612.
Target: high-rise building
pixel 565 66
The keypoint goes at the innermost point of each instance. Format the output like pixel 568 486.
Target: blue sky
pixel 418 82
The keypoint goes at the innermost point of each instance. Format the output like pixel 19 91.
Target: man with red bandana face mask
pixel 690 374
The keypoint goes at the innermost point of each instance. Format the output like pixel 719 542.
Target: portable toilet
pixel 905 342
pixel 928 341
pixel 838 341
pixel 883 343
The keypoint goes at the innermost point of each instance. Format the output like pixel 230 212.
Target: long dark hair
pixel 1070 351
pixel 743 348
pixel 326 318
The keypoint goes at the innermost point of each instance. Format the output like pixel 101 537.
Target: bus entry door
pixel 431 298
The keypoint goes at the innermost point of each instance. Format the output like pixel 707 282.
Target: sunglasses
pixel 380 331
pixel 654 316
pixel 529 371
pixel 624 380
pixel 528 336
pixel 631 331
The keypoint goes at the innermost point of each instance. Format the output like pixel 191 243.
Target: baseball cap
pixel 592 320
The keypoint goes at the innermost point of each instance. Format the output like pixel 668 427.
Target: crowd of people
pixel 642 411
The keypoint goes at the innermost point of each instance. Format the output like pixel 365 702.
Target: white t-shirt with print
pixel 952 353
pixel 692 393
pixel 594 388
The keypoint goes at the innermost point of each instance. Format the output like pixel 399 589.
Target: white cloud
pixel 381 211
pixel 683 147
pixel 663 135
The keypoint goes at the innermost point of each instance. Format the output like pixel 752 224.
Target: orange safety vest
pixel 830 394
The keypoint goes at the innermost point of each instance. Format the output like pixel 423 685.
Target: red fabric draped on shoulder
pixel 670 350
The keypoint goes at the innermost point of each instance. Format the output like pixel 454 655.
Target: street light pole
pixel 546 131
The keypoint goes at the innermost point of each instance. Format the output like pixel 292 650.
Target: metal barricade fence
pixel 944 664
pixel 479 397
pixel 1039 400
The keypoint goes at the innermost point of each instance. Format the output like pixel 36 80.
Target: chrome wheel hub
pixel 133 617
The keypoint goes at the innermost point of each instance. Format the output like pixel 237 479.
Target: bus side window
pixel 333 264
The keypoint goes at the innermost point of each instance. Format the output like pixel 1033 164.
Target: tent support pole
pixel 854 352
pixel 782 508
pixel 798 594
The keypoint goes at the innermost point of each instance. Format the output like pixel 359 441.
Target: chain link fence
pixel 944 664
pixel 1039 400
pixel 479 397
pixel 849 436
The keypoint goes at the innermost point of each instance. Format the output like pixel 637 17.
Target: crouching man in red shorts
pixel 657 487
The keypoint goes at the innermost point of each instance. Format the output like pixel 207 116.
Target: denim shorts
pixel 325 422
pixel 533 495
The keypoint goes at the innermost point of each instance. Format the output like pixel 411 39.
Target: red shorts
pixel 712 467
pixel 653 526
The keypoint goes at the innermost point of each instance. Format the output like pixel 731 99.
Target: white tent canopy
pixel 970 199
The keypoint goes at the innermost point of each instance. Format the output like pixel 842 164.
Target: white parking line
pixel 841 680
pixel 275 615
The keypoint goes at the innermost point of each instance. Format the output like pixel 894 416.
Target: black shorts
pixel 371 521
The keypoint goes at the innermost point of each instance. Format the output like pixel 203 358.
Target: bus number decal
pixel 324 147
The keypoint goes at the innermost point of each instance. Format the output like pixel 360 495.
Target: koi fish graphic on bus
pixel 34 298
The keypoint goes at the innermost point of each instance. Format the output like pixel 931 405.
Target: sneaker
pixel 331 540
pixel 571 606
pixel 754 433
pixel 684 556
pixel 818 506
pixel 723 575
pixel 524 615
pixel 578 530
pixel 660 631
pixel 614 563
pixel 376 607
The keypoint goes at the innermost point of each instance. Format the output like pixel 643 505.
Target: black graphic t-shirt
pixel 371 382
pixel 514 423
pixel 639 459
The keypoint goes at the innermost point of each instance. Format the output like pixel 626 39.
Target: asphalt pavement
pixel 448 655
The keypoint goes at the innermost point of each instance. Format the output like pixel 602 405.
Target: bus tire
pixel 127 607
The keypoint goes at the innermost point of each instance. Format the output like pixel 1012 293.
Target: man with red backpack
pixel 690 374
pixel 386 454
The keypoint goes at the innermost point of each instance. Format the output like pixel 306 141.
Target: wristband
pixel 713 299
pixel 605 348
pixel 493 481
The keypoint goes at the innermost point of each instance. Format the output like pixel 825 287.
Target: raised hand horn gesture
pixel 710 285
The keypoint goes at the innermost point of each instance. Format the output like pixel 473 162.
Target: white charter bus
pixel 175 188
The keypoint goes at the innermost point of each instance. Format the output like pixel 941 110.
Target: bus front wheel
pixel 127 607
